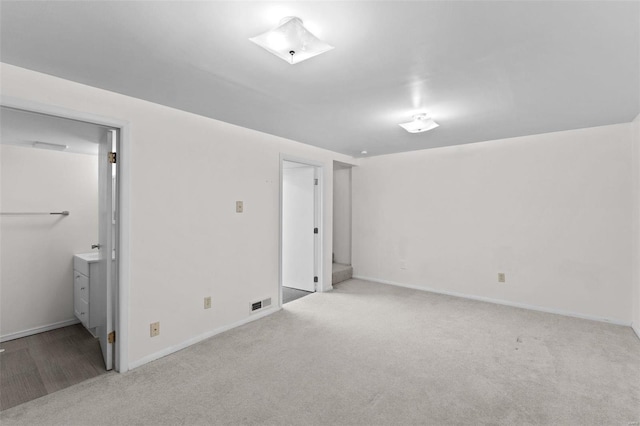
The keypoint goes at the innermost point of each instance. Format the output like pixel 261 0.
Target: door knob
pixel 94 246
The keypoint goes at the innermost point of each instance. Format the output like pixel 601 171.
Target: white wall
pixel 552 211
pixel 36 280
pixel 187 241
pixel 635 137
pixel 342 214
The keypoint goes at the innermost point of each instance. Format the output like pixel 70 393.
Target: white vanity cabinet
pixel 86 305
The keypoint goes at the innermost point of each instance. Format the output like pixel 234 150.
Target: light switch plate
pixel 207 302
pixel 239 206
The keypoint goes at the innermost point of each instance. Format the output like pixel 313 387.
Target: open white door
pixel 298 223
pixel 106 266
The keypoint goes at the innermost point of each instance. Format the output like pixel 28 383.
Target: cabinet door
pixel 81 297
pixel 97 305
pixel 82 285
pixel 83 312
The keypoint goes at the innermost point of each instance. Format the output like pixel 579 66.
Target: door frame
pixel 123 251
pixel 318 217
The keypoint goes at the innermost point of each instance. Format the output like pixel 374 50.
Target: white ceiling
pixel 24 128
pixel 484 70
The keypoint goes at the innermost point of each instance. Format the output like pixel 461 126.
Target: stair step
pixel 341 273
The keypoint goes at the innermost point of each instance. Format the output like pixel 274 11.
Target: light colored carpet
pixel 370 354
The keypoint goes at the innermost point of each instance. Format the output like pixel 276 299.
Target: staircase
pixel 341 273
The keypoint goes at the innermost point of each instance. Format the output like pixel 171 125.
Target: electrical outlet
pixel 239 206
pixel 501 277
pixel 154 329
pixel 207 302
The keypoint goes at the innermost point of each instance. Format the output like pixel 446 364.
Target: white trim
pixel 319 211
pixel 36 330
pixel 636 329
pixel 500 302
pixel 124 247
pixel 294 159
pixel 57 111
pixel 124 256
pixel 319 174
pixel 175 348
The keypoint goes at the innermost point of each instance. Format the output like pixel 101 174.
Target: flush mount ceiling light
pixel 47 145
pixel 291 41
pixel 420 123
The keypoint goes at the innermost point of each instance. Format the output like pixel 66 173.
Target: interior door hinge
pixel 111 337
pixel 112 157
pixel 315 230
pixel 315 279
pixel 315 182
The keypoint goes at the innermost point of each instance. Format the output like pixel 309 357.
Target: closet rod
pixel 63 213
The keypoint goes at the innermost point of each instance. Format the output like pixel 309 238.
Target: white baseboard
pixel 501 302
pixel 36 330
pixel 175 348
pixel 636 329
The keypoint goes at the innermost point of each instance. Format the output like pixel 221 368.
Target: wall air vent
pixel 261 304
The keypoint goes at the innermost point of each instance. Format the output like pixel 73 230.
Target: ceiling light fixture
pixel 291 41
pixel 47 145
pixel 420 123
pixel 363 152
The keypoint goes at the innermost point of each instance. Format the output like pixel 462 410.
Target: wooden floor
pixel 37 365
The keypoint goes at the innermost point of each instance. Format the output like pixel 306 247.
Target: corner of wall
pixel 635 153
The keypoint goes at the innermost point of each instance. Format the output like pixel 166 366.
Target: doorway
pixel 46 196
pixel 300 229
